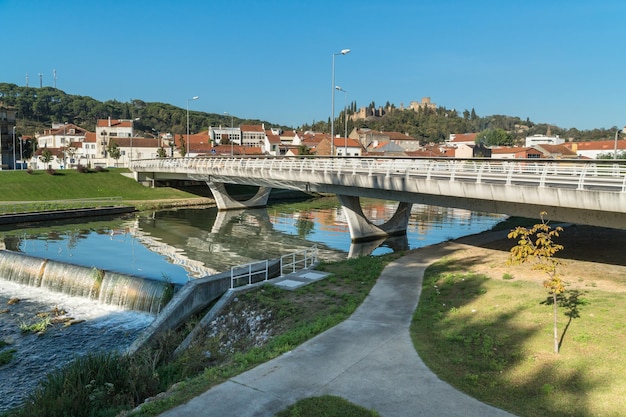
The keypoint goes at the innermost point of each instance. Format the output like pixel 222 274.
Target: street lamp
pixel 332 100
pixel 188 100
pixel 230 135
pixel 131 139
pixel 21 153
pixel 14 162
pixel 345 119
pixel 231 118
pixel 615 149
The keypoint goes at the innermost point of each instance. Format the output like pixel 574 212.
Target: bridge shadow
pixel 581 243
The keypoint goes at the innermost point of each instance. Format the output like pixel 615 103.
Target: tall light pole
pixel 332 100
pixel 615 149
pixel 230 135
pixel 14 162
pixel 188 100
pixel 131 139
pixel 345 119
pixel 21 153
pixel 231 118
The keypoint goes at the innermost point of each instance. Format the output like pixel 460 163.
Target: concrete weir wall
pixel 192 298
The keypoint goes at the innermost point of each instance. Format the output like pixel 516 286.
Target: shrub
pixel 29 171
pixel 51 171
pixel 82 169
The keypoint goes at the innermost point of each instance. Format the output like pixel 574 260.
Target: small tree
pixel 46 156
pixel 182 146
pixel 114 151
pixel 536 245
pixel 161 153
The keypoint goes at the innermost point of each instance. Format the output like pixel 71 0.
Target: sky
pixel 552 61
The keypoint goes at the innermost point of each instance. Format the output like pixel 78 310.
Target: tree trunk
pixel 556 330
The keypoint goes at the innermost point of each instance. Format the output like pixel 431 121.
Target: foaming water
pixel 99 327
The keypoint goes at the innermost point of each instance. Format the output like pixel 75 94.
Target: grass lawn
pixel 492 338
pixel 39 186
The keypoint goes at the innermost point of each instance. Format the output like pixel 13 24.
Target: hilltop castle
pixel 365 112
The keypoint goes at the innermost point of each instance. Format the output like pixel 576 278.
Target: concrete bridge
pixel 591 192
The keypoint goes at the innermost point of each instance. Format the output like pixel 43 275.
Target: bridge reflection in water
pixel 185 244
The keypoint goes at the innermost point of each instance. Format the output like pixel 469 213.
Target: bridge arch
pixel 225 201
pixel 362 229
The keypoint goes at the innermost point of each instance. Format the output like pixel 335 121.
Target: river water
pixel 177 246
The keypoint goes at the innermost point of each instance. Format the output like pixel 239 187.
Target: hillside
pixel 39 107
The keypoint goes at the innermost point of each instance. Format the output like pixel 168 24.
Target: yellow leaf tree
pixel 536 246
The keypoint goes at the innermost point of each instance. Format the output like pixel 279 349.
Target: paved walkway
pixel 368 359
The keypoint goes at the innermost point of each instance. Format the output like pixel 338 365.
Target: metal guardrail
pixel 261 271
pixel 603 175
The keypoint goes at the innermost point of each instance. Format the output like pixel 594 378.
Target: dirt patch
pixel 593 257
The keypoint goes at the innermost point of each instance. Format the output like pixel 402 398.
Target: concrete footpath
pixel 369 360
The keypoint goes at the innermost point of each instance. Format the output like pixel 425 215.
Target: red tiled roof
pixel 114 123
pixel 464 137
pixel 252 128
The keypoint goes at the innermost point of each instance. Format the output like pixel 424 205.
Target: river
pixel 177 246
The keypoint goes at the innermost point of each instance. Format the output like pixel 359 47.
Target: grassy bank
pixel 491 337
pixel 44 191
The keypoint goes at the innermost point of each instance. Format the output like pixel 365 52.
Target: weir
pixel 106 287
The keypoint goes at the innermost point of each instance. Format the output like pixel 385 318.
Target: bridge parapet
pixel 579 191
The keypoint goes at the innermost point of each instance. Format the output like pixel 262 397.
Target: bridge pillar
pixel 361 229
pixel 224 201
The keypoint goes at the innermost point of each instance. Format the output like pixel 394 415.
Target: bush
pixel 29 171
pixel 51 171
pixel 82 169
pixel 99 169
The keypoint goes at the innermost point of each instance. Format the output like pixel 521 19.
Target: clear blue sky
pixel 553 61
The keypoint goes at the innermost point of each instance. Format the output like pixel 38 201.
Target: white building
pixel 543 140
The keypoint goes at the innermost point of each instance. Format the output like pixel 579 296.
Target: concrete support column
pixel 361 229
pixel 225 202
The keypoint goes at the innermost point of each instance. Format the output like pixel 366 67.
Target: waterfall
pixel 125 291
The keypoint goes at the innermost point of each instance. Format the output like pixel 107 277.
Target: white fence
pixel 605 175
pixel 261 271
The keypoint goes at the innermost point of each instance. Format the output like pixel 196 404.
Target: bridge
pixel 591 192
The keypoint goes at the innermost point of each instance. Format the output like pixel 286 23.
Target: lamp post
pixel 131 139
pixel 615 149
pixel 345 119
pixel 188 100
pixel 21 153
pixel 332 101
pixel 231 118
pixel 230 135
pixel 14 162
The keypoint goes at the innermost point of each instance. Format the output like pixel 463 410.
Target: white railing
pixel 261 271
pixel 606 175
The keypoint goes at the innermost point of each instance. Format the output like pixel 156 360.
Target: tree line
pixel 39 107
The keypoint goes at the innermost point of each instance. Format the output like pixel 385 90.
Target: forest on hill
pixel 38 108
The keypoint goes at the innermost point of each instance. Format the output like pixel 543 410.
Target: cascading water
pixel 124 291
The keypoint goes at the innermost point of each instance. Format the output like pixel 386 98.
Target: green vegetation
pixel 110 383
pixel 39 107
pixel 488 338
pixel 38 191
pixel 39 326
pixel 6 355
pixel 536 246
pixel 326 406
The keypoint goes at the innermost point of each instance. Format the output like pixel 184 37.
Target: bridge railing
pixel 260 271
pixel 607 175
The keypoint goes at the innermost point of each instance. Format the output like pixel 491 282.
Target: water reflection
pixel 184 244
